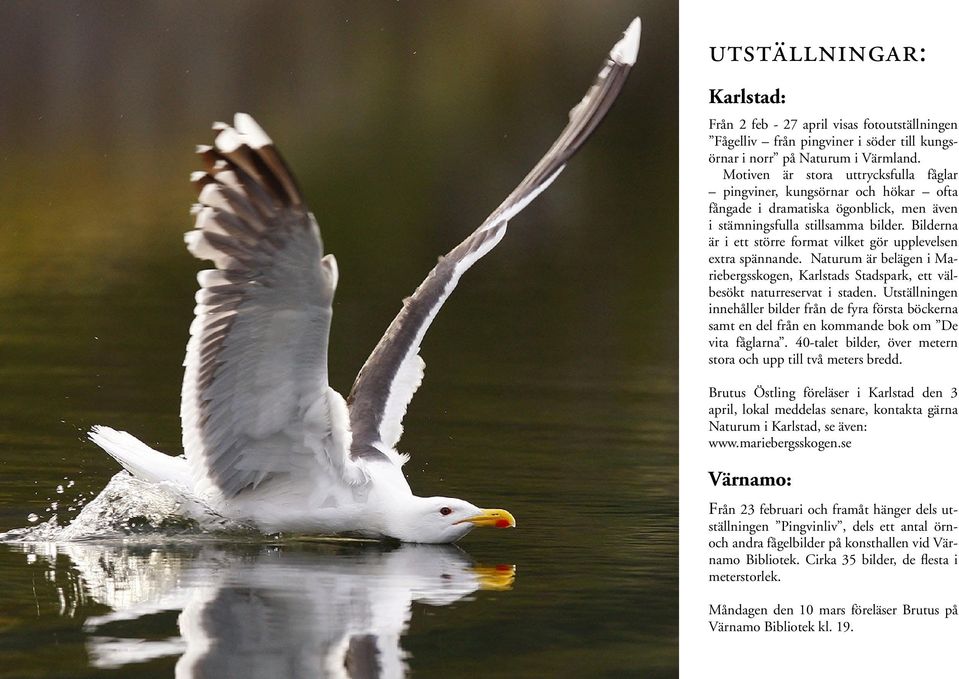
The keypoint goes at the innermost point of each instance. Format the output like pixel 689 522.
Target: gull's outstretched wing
pixel 393 372
pixel 256 402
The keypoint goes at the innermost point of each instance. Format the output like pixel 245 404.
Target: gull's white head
pixel 441 520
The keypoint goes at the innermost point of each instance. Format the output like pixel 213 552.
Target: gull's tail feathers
pixel 140 459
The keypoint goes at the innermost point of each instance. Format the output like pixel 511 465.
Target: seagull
pixel 266 440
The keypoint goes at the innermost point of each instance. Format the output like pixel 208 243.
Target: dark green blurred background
pixel 551 374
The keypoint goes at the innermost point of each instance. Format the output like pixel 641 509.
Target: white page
pixel 902 460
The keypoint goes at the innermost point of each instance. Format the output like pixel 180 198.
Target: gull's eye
pixel 446 511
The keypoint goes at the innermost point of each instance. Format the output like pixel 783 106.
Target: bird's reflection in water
pixel 288 611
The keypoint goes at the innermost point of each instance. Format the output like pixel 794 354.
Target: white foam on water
pixel 130 507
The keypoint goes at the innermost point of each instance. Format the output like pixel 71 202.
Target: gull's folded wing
pixel 386 384
pixel 256 401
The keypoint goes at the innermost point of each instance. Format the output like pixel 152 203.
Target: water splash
pixel 128 507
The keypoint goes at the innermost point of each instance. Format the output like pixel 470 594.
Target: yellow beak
pixel 496 578
pixel 496 518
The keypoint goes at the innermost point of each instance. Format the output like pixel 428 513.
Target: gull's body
pixel 266 439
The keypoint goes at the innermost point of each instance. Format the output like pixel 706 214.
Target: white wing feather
pixel 256 402
pixel 389 378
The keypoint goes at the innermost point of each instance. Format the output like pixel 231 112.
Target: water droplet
pixel 32 518
pixel 60 488
pixel 53 506
pixel 71 484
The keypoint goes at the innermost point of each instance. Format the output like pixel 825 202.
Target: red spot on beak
pixel 502 523
pixel 504 567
